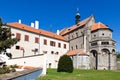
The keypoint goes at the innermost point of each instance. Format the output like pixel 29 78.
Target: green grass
pixel 52 74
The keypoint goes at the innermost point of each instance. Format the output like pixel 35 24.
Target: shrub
pixel 6 69
pixel 65 64
pixel 13 70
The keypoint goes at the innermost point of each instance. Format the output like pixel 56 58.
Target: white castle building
pixel 34 41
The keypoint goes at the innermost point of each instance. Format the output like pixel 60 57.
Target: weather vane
pixel 77 9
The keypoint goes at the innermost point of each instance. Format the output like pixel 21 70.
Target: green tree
pixel 6 40
pixel 118 56
pixel 65 64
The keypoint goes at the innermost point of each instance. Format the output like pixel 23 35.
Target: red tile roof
pixel 74 52
pixel 37 31
pixel 98 26
pixel 80 24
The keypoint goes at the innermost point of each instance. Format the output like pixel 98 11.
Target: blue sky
pixel 59 14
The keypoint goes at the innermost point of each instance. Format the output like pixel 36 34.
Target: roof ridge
pixel 98 25
pixel 75 26
pixel 86 19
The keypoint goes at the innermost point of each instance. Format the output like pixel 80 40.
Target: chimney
pixel 58 32
pixel 36 24
pixel 19 21
pixel 32 24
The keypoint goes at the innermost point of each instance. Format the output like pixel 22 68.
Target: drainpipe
pixel 23 52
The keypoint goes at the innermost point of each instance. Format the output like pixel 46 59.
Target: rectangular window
pixel 18 35
pixel 59 45
pixel 104 43
pixel 45 42
pixel 36 40
pixel 17 47
pixel 64 46
pixel 26 38
pixel 52 43
pixel 93 43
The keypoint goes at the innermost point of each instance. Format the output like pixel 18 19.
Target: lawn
pixel 52 74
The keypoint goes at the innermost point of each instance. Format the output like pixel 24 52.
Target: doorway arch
pixel 94 59
pixel 107 52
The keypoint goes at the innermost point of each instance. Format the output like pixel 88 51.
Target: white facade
pixel 53 52
pixel 25 47
pixel 30 48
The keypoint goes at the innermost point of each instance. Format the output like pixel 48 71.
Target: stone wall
pixel 118 65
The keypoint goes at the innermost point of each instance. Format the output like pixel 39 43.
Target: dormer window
pixel 109 34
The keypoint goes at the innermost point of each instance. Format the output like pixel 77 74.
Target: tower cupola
pixel 77 17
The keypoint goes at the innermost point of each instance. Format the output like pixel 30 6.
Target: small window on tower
pixel 109 34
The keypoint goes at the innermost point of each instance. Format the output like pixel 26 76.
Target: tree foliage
pixel 118 54
pixel 6 40
pixel 65 64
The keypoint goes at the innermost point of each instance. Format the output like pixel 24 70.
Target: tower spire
pixel 77 16
pixel 77 9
